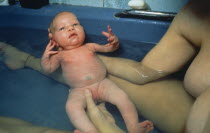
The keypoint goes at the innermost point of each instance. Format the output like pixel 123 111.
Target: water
pixel 34 42
pixel 31 96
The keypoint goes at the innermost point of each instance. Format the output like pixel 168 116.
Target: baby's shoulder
pixel 90 46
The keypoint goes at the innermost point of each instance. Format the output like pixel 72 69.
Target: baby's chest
pixel 82 64
pixel 79 57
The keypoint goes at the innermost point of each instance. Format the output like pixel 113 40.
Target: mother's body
pixel 187 40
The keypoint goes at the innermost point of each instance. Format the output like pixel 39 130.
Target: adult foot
pixel 2 45
pixel 13 58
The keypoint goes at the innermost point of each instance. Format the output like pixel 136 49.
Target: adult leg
pixel 165 102
pixel 13 58
pixel 199 117
pixel 34 63
pixel 13 125
pixel 16 59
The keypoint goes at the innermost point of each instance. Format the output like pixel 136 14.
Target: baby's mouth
pixel 73 35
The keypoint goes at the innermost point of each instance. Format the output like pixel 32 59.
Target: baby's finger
pixel 49 45
pixel 52 52
pixel 110 30
pixel 106 34
pixel 111 38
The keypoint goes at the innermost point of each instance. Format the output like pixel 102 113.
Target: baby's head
pixel 58 17
pixel 65 29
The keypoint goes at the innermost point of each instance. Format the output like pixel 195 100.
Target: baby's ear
pixel 49 34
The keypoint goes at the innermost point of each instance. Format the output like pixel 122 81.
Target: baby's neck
pixel 72 47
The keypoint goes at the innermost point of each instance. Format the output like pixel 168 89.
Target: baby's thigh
pixel 76 99
pixel 112 93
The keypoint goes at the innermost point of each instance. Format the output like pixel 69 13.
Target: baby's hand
pixel 113 40
pixel 49 50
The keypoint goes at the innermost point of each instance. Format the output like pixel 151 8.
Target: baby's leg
pixel 112 93
pixel 75 108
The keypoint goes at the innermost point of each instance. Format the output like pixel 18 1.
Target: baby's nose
pixel 70 28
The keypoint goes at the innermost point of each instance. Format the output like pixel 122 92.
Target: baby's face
pixel 68 33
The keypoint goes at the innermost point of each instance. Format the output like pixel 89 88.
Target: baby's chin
pixel 74 41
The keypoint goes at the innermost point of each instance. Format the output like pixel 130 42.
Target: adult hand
pixel 99 118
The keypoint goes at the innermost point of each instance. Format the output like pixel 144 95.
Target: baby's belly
pixel 78 79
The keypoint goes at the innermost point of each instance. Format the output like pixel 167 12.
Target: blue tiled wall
pixel 155 5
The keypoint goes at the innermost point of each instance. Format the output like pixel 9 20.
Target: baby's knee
pixel 123 96
pixel 72 107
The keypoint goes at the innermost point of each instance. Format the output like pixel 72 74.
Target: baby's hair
pixel 51 28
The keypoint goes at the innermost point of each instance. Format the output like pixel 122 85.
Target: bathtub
pixel 31 96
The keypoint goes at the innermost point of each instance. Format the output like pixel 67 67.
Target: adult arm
pixel 172 52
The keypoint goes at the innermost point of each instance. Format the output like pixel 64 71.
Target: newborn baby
pixel 83 70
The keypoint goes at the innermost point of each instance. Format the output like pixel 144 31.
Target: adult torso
pixel 196 30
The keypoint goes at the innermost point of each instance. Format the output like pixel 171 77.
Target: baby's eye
pixel 75 24
pixel 62 28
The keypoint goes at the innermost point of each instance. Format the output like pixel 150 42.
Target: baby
pixel 83 70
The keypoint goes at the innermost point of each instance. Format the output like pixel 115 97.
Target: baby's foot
pixel 77 131
pixel 145 127
pixel 13 58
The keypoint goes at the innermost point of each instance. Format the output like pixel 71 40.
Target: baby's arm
pixel 49 61
pixel 109 47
